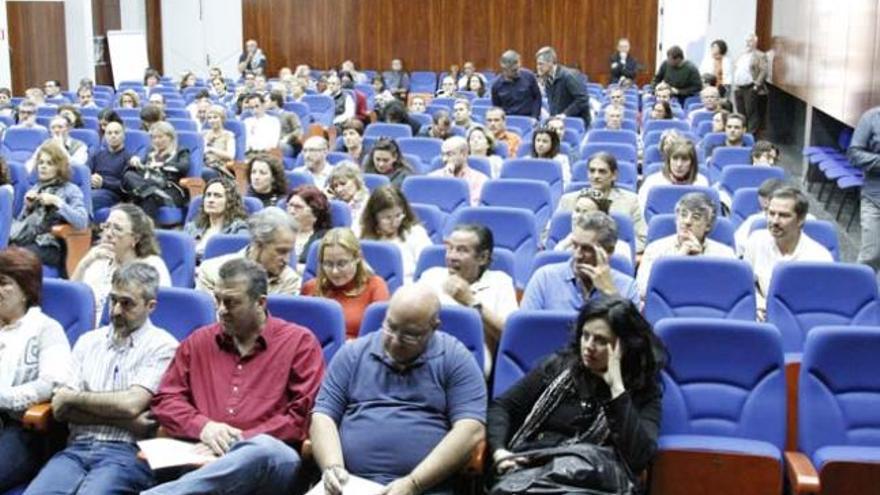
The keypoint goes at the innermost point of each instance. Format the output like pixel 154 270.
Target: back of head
pixel 264 224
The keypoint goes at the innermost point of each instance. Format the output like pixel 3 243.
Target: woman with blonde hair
pixel 219 145
pixel 346 184
pixel 152 181
pixel 344 276
pixel 129 99
pixel 681 167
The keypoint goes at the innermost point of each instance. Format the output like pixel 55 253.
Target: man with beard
pixel 116 370
pixel 243 387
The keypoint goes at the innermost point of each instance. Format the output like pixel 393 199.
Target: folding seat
pixel 6 199
pixel 559 228
pixel 821 231
pixel 302 110
pixel 422 118
pixel 372 181
pixel 89 137
pixel 522 347
pixel 423 82
pixel 717 139
pixel 129 113
pixel 626 232
pixel 653 137
pixel 627 174
pixel 432 219
pixel 220 244
pixel 446 103
pixel 19 143
pixel 173 111
pixel 137 142
pixel 714 288
pixel 178 251
pixel 324 317
pixel 383 257
pixel 736 177
pixel 237 128
pixel 613 136
pixel 461 322
pixel 745 203
pixel 666 124
pixel 521 123
pixel 381 129
pixel 652 155
pixel 446 193
pixel 576 124
pixel 340 214
pixel 183 124
pixel 512 228
pixel 297 178
pixel 425 148
pixel 703 128
pixel 723 156
pixel 699 118
pixel 839 404
pixel 531 195
pixel 414 161
pixel 71 304
pixel 723 422
pixel 623 152
pixel 662 199
pixel 321 108
pixel 540 169
pixel 433 256
pixel 625 124
pixel 663 225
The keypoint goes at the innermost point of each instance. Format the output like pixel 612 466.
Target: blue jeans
pixel 87 466
pixel 869 252
pixel 21 451
pixel 104 198
pixel 261 464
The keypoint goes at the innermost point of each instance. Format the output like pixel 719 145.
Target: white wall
pixel 198 34
pixel 5 67
pixel 133 15
pixel 80 41
pixel 694 24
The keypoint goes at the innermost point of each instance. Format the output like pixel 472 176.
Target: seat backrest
pixel 528 194
pixel 183 124
pixel 665 124
pixel 373 181
pixel 560 227
pixel 71 304
pixel 179 254
pixel 736 177
pixel 296 178
pixel 137 142
pixel 237 128
pixel 461 322
pixel 432 219
pixel 804 295
pixel 839 395
pixel 745 203
pixel 19 143
pixel 725 378
pixel 821 231
pixel 662 199
pixel 422 82
pixel 715 288
pixel 324 317
pixel 612 136
pixel 6 200
pixel 425 148
pixel 382 129
pixel 541 169
pixel 195 143
pixel 621 151
pixel 220 244
pixel 180 311
pixel 434 256
pixel 512 228
pixel 522 348
pixel 321 107
pixel 383 257
pixel 447 193
pixel 340 213
pixel 89 137
pixel 663 225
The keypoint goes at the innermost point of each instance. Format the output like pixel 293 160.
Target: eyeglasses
pixel 404 338
pixel 329 266
pixel 391 217
pixel 114 228
pixel 694 216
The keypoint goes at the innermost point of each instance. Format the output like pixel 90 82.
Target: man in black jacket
pixel 566 95
pixel 623 66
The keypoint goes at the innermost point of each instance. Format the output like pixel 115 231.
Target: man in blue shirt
pixel 107 166
pixel 517 90
pixel 568 285
pixel 404 406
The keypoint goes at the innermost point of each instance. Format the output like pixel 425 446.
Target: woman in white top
pixel 126 236
pixel 482 144
pixel 388 217
pixel 680 168
pixel 34 359
pixel 545 144
pixel 346 184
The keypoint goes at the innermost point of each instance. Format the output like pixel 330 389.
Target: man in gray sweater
pixel 864 153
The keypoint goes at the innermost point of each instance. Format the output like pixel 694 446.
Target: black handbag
pixel 581 468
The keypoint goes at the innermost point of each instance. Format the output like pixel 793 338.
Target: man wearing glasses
pixel 27 116
pixel 694 219
pixel 403 407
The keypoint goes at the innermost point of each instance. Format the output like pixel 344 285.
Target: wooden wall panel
pixel 154 34
pixel 106 16
pixel 433 34
pixel 38 50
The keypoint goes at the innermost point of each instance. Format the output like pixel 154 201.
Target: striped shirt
pixel 101 364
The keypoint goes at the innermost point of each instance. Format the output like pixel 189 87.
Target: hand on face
pixel 600 273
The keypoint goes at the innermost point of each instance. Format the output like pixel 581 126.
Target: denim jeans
pixel 87 467
pixel 869 252
pixel 21 451
pixel 261 464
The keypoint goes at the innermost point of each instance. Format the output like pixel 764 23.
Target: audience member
pixel 266 179
pixel 388 217
pixel 516 90
pixel 221 212
pixel 315 163
pixel 448 88
pixel 116 370
pixel 481 144
pixel 461 113
pixel 353 140
pixel 152 181
pixel 219 145
pixel 613 118
pixel 106 116
pixel 26 116
pixel 244 387
pixel 129 99
pixel 710 99
pixel 188 80
pixel 310 209
pixel 454 152
pixel 767 188
pixel 407 377
pixel 496 122
pixel 679 168
pixel 346 184
pixel 34 360
pixel 273 237
pixel 545 144
pixel 440 128
pixel 681 75
pixel 263 131
pixel 252 59
pixel 661 110
pixel 623 66
pixel 477 85
pixel 587 201
pixel 764 153
pixel 587 276
pixel 151 114
pixel 345 276
pixel 397 80
pixel 468 70
pixel 566 95
pixel 717 63
pixel 750 84
pixel 344 103
pixel 386 159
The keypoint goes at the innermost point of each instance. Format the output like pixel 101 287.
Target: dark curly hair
pixel 234 204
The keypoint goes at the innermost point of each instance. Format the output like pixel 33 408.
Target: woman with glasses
pixel 346 184
pixel 126 236
pixel 53 200
pixel 388 217
pixel 222 212
pixel 311 210
pixel 344 276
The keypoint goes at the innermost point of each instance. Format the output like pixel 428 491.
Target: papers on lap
pixel 355 486
pixel 168 452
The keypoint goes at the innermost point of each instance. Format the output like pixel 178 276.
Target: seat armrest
pixel 475 464
pixel 38 417
pixel 241 178
pixel 77 242
pixel 802 476
pixel 195 185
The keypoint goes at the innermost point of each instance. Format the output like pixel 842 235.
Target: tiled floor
pixel 792 161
